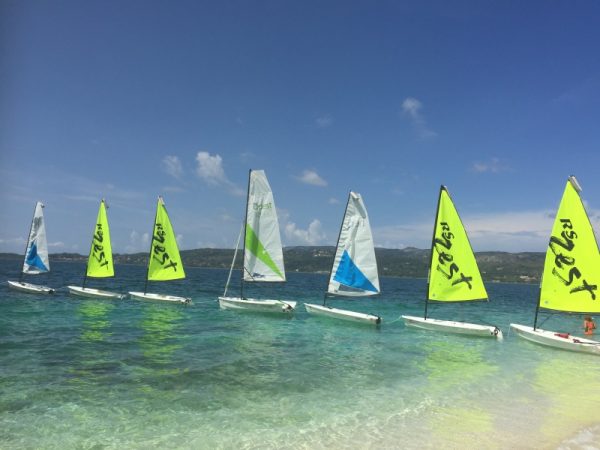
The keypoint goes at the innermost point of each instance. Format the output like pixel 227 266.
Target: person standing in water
pixel 588 325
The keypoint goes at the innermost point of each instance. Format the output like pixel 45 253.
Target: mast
pixel 85 275
pixel 437 212
pixel 537 306
pixel 88 260
pixel 337 244
pixel 160 200
pixel 245 226
pixel 27 242
pixel 237 246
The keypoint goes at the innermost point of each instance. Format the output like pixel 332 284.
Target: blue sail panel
pixel 350 275
pixel 34 260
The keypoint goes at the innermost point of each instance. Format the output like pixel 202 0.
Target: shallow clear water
pixel 77 373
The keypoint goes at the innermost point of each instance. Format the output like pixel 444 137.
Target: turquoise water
pixel 77 373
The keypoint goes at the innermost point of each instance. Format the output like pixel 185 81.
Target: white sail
pixel 36 255
pixel 354 271
pixel 263 255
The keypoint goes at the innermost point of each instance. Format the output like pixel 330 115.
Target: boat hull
pixel 342 314
pixel 30 288
pixel 267 306
pixel 557 340
pixel 448 326
pixel 94 293
pixel 159 298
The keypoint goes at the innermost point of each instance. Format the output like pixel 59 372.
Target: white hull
pixel 94 293
pixel 30 288
pixel 553 339
pixel 448 326
pixel 159 298
pixel 342 314
pixel 270 306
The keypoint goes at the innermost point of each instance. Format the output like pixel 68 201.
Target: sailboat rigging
pixel 263 253
pixel 100 259
pixel 571 274
pixel 453 273
pixel 354 269
pixel 36 255
pixel 164 261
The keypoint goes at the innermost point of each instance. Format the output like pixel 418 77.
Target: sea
pixel 113 374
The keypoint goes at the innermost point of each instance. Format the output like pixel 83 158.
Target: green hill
pixel 408 262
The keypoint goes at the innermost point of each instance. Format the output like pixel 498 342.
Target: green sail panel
pixel 454 275
pixel 572 266
pixel 263 254
pixel 165 262
pixel 255 248
pixel 100 260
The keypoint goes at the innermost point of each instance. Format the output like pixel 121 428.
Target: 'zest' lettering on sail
pixel 446 259
pixel 98 248
pixel 564 262
pixel 159 252
pixel 260 206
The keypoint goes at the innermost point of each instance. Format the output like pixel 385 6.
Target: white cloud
pixel 313 235
pixel 172 165
pixel 137 242
pixel 333 201
pixel 324 121
pixel 494 165
pixel 210 170
pixel 206 244
pixel 412 107
pixel 226 217
pixel 13 245
pixel 510 231
pixel 311 177
pixel 247 156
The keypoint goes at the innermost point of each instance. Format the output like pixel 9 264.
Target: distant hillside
pixel 407 262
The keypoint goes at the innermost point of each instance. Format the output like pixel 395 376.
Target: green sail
pixel 100 260
pixel 454 275
pixel 165 261
pixel 572 266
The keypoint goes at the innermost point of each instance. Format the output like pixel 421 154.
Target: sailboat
pixel 100 260
pixel 571 274
pixel 453 273
pixel 263 255
pixel 354 269
pixel 36 255
pixel 164 262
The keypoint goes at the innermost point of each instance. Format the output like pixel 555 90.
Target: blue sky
pixel 126 100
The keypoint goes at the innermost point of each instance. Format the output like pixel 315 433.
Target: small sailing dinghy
pixel 36 255
pixel 453 274
pixel 100 260
pixel 354 269
pixel 571 274
pixel 164 262
pixel 263 255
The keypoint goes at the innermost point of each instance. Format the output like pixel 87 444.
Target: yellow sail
pixel 165 262
pixel 454 275
pixel 100 260
pixel 572 267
